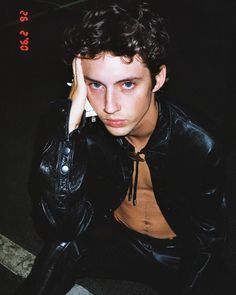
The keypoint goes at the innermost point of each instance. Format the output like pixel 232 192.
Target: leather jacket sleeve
pixel 58 177
pixel 208 218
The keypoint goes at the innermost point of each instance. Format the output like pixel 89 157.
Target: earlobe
pixel 160 79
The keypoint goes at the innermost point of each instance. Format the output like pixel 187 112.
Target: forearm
pixel 57 194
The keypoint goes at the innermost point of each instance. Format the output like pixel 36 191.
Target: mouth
pixel 116 123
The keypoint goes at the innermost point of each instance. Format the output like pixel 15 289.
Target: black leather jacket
pixel 87 173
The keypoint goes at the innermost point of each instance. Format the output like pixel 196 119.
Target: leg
pixel 113 251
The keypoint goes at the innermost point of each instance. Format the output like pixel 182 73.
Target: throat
pixel 138 142
pixel 139 136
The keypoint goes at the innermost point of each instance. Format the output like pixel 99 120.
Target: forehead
pixel 110 67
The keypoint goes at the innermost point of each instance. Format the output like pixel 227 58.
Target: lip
pixel 116 123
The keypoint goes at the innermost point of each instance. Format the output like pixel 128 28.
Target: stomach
pixel 145 218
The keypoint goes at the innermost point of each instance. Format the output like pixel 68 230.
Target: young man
pixel 137 191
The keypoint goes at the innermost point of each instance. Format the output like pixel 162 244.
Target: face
pixel 121 93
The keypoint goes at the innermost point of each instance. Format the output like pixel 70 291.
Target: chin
pixel 117 131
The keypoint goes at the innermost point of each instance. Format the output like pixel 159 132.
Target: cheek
pixel 140 100
pixel 96 101
pixel 93 95
pixel 141 107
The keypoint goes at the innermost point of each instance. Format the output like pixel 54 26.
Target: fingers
pixel 74 68
pixel 77 95
pixel 78 89
pixel 78 75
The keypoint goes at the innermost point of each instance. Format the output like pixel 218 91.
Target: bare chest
pixel 146 217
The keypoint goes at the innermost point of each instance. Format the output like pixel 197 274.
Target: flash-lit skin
pixel 123 97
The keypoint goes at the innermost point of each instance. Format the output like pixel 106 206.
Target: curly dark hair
pixel 122 27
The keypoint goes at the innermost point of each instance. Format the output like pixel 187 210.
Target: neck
pixel 139 138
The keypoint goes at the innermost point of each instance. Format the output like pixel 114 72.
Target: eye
pixel 95 85
pixel 128 85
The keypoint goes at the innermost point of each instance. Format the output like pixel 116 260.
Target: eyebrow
pixel 123 80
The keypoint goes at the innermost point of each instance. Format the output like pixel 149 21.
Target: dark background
pixel 202 76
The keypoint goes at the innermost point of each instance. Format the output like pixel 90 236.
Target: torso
pixel 146 217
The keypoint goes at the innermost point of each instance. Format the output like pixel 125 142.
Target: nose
pixel 111 105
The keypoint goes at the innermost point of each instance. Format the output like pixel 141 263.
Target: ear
pixel 160 78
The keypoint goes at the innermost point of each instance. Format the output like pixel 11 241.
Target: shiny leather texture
pixel 79 177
